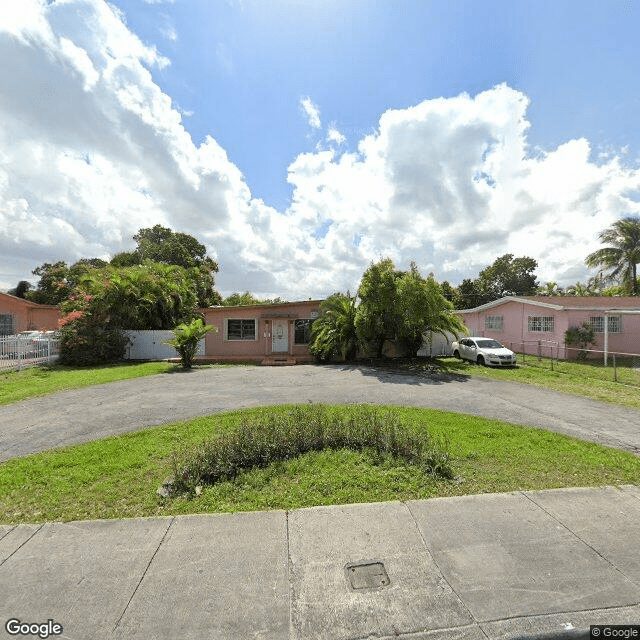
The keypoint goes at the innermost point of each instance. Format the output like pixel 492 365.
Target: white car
pixel 484 351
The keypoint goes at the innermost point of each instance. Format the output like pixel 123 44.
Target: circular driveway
pixel 72 417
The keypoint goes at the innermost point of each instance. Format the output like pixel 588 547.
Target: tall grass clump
pixel 260 441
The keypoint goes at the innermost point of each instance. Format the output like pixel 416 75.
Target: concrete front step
pixel 274 361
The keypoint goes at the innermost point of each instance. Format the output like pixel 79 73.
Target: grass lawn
pixel 39 381
pixel 590 380
pixel 117 477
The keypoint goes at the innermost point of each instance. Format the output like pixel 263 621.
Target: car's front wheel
pixel 481 361
pixel 456 354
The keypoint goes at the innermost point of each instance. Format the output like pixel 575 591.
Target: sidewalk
pixel 490 566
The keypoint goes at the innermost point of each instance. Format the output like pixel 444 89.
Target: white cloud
pixel 312 112
pixel 333 135
pixel 91 150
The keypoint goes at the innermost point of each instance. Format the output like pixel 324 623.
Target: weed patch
pixel 259 441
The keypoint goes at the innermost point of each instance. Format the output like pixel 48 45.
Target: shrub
pixel 186 340
pixel 86 341
pixel 260 442
pixel 580 337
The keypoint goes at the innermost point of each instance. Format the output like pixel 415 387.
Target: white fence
pixel 18 352
pixel 435 344
pixel 149 345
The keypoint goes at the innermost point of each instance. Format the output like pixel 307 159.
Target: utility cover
pixel 370 575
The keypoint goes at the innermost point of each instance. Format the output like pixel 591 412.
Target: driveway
pixel 72 417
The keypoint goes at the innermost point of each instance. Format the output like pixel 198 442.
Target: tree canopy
pixel 334 332
pixel 506 276
pixel 622 257
pixel 393 305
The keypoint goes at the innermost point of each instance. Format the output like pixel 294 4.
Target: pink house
pixel 18 315
pixel 266 333
pixel 537 324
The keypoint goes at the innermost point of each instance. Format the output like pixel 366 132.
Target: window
pixel 302 333
pixel 615 324
pixel 540 323
pixel 493 323
pixel 241 329
pixel 6 324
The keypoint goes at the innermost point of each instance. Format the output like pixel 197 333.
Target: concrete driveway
pixel 72 417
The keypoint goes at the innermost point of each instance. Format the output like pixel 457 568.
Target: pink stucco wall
pixel 567 312
pixel 218 345
pixel 28 315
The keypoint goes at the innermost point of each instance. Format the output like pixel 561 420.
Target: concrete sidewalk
pixel 466 568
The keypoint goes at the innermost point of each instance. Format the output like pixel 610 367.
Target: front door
pixel 280 336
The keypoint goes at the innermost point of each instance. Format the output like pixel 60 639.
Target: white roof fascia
pixel 548 305
pixel 501 301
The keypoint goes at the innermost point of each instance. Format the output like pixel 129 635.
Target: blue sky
pixel 241 68
pixel 302 139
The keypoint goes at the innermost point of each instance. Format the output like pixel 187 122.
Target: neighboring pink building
pixel 537 324
pixel 267 333
pixel 17 314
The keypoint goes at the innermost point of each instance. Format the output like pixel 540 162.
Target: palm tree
pixel 578 289
pixel 550 289
pixel 334 332
pixel 621 258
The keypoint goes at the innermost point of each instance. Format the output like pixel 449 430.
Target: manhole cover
pixel 369 575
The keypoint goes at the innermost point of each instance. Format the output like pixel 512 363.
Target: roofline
pixel 31 303
pixel 501 301
pixel 265 305
pixel 548 305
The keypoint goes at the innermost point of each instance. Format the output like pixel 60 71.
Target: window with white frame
pixel 493 323
pixel 241 329
pixel 302 331
pixel 540 323
pixel 615 324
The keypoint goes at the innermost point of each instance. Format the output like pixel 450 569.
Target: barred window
pixel 540 323
pixel 6 324
pixel 302 333
pixel 241 329
pixel 493 323
pixel 615 324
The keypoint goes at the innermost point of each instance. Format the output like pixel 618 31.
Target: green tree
pixel 421 308
pixel 550 289
pixel 622 257
pixel 240 299
pixel 334 333
pixel 126 259
pixel 449 292
pixel 579 289
pixel 509 276
pixel 21 290
pixel 186 338
pixel 161 244
pixel 376 316
pixel 58 280
pixel 471 294
pixel 147 296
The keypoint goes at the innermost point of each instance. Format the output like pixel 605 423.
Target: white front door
pixel 280 336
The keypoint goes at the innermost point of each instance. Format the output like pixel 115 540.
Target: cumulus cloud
pixel 91 150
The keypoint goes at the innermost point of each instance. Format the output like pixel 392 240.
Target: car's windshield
pixel 488 344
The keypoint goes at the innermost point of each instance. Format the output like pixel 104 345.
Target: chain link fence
pixel 556 356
